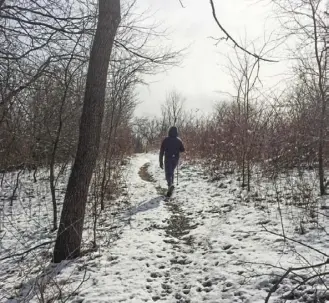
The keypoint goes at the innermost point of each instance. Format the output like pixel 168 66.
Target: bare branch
pixel 296 241
pixel 180 1
pixel 291 269
pixel 275 286
pixel 38 73
pixel 27 251
pixel 229 37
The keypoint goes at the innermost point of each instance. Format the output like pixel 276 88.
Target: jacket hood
pixel 173 132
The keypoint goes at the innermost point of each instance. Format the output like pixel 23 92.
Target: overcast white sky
pixel 202 73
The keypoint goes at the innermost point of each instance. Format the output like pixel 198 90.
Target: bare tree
pixel 69 235
pixel 173 112
pixel 245 76
pixel 132 57
pixel 148 129
pixel 306 21
pixel 119 108
pixel 36 37
pixel 69 74
pixel 33 35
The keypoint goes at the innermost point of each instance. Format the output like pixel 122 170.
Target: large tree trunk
pixel 69 235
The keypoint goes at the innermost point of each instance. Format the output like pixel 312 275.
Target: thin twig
pixel 296 241
pixel 13 196
pixel 181 3
pixel 274 287
pixel 229 37
pixel 27 251
pixel 291 269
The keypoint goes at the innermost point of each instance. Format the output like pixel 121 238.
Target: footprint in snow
pixel 180 260
pixel 156 298
pixel 155 275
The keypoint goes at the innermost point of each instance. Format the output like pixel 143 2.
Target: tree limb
pixel 229 37
pixel 296 241
pixel 275 286
pixel 291 269
pixel 34 78
pixel 27 251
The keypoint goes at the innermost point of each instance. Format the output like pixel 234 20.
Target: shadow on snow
pixel 146 205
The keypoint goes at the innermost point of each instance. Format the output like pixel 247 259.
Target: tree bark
pixel 69 235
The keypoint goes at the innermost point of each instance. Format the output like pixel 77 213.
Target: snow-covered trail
pixel 205 245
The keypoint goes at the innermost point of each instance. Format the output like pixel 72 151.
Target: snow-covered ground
pixel 210 243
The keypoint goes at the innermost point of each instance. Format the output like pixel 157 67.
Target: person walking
pixel 171 147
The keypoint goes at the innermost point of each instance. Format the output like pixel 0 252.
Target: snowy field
pixel 209 243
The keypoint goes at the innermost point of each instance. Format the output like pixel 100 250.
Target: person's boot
pixel 170 190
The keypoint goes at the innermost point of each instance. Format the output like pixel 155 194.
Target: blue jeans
pixel 170 165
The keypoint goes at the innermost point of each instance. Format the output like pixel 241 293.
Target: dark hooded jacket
pixel 171 146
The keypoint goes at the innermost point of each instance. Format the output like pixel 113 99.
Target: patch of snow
pixel 207 244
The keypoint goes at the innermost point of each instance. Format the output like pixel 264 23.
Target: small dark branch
pixel 157 59
pixel 310 266
pixel 2 178
pixel 27 251
pixel 59 296
pixel 291 269
pixel 15 188
pixel 319 275
pixel 296 241
pixel 84 279
pixel 34 78
pixel 44 13
pixel 27 22
pixel 317 265
pixel 180 1
pixel 275 286
pixel 35 174
pixel 229 37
